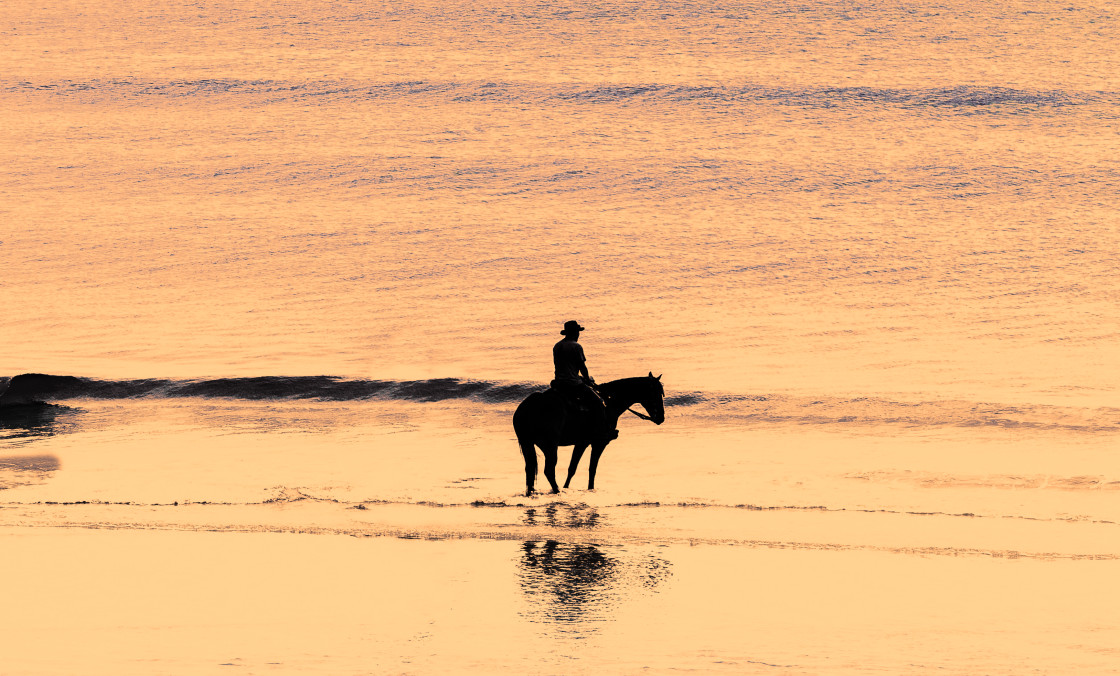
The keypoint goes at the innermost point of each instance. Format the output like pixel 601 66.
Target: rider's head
pixel 572 329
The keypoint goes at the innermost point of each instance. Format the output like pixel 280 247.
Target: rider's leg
pixel 601 429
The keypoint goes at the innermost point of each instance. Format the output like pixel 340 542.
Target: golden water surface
pixel 870 245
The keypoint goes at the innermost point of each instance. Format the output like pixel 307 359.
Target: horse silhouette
pixel 548 420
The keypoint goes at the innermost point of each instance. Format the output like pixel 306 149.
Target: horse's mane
pixel 615 386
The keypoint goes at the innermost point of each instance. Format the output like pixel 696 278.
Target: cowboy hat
pixel 570 327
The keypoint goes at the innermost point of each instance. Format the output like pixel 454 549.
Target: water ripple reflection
pixel 26 470
pixel 563 516
pixel 575 586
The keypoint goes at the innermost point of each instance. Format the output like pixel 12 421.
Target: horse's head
pixel 653 400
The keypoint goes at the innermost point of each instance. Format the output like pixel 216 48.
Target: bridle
pixel 643 416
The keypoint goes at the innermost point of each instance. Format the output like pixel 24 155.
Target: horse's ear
pixel 658 377
pixel 651 374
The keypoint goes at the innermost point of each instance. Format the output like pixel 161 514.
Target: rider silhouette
pixel 573 380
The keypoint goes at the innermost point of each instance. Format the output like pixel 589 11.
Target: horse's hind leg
pixel 577 453
pixel 549 451
pixel 530 453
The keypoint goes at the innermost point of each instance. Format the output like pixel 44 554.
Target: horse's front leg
pixel 596 451
pixel 577 453
pixel 550 465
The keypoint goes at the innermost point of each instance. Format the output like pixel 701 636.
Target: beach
pixel 140 564
pixel 277 275
pixel 141 602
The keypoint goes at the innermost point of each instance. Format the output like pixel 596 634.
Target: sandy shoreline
pixel 547 518
pixel 378 538
pixel 154 600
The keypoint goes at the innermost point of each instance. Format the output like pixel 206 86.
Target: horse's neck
pixel 621 394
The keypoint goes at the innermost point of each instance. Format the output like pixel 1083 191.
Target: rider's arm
pixel 583 367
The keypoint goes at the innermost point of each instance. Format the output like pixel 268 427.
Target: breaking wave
pixel 38 388
pixel 706 409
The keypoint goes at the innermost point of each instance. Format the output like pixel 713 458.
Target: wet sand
pixel 196 537
pixel 567 599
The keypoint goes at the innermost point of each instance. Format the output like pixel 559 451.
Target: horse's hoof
pixel 555 491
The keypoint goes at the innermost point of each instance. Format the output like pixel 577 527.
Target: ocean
pixel 289 268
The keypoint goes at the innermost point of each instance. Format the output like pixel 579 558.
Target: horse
pixel 546 420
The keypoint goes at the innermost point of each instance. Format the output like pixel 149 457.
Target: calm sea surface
pixel 311 254
pixel 748 197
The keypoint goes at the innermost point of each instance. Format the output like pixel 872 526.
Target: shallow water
pixel 479 607
pixel 259 533
pixel 296 263
pixel 389 535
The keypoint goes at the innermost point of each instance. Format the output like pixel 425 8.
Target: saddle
pixel 576 401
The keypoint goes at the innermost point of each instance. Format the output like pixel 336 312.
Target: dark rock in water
pixel 36 388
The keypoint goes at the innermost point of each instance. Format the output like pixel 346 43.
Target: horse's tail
pixel 520 415
pixel 529 453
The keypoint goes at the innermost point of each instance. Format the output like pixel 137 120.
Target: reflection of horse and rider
pixel 581 582
pixel 577 412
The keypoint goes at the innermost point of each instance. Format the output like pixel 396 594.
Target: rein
pixel 631 408
pixel 640 415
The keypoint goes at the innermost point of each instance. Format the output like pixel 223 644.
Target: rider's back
pixel 569 359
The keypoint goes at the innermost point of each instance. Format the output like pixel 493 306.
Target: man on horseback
pixel 573 380
pixel 548 420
